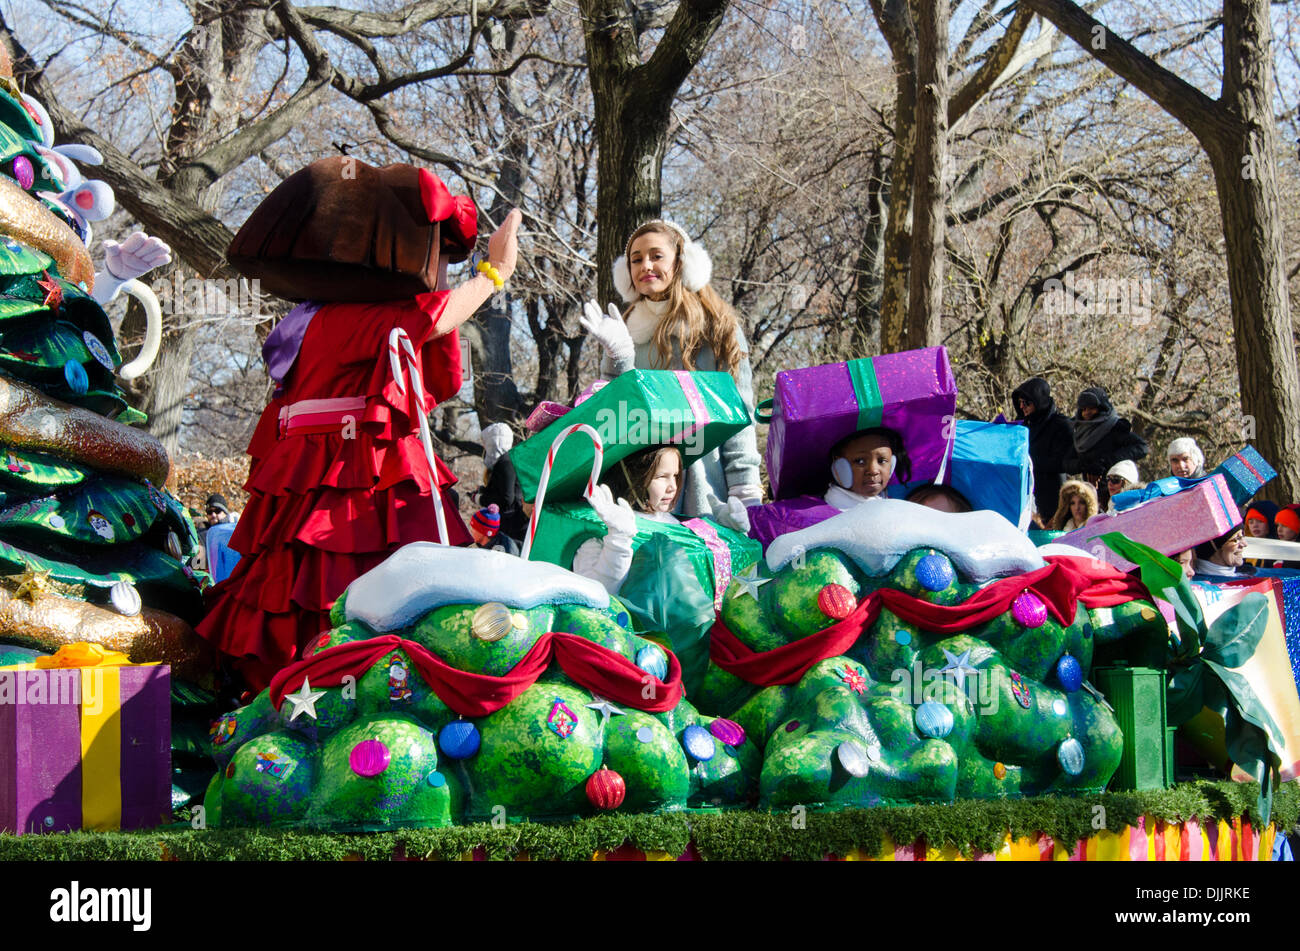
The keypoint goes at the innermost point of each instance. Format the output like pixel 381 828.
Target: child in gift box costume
pixel 861 467
pixel 341 476
pixel 678 322
pixel 651 479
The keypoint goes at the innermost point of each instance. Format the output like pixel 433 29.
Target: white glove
pixel 609 331
pixel 134 257
pixel 617 516
pixel 748 494
pixel 729 514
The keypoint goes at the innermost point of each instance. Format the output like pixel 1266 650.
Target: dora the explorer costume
pixel 339 479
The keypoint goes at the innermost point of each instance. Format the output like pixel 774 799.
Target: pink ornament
pixel 23 172
pixel 836 601
pixel 1028 609
pixel 369 758
pixel 728 732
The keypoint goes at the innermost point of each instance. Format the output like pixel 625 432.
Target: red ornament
pixel 836 601
pixel 53 292
pixel 606 789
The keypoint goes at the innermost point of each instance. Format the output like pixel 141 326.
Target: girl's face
pixel 1089 412
pixel 873 463
pixel 1286 533
pixel 1182 465
pixel 661 493
pixel 1078 508
pixel 1184 558
pixel 1256 528
pixel 652 260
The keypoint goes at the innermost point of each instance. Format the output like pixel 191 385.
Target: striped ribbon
pixel 721 557
pixel 597 461
pixel 399 343
pixel 696 402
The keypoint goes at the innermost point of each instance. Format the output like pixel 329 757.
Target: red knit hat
pixel 487 521
pixel 1288 517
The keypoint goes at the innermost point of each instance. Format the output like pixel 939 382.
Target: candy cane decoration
pixel 399 341
pixel 596 464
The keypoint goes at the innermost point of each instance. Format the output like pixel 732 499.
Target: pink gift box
pixel 1169 524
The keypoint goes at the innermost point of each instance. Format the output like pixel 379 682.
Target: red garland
pixel 1061 585
pixel 596 668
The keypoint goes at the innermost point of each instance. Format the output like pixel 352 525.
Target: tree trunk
pixel 633 102
pixel 929 208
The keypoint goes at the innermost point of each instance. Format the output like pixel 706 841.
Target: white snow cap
pixel 1127 470
pixel 422 576
pixel 983 545
pixel 498 439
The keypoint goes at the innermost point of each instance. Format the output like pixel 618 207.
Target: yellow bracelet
pixel 490 271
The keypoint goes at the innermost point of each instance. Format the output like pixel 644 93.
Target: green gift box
pixel 638 409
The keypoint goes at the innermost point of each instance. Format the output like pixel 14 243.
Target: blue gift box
pixel 1246 472
pixel 991 467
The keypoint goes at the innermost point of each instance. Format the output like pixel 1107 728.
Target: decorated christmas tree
pixel 92 547
pixel 896 653
pixel 464 685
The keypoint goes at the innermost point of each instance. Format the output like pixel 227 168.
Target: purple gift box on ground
pixel 84 748
pixel 1170 524
pixel 815 407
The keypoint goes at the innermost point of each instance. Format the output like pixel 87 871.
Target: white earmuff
pixel 842 473
pixel 623 281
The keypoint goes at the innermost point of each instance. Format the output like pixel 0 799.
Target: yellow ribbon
pixel 82 654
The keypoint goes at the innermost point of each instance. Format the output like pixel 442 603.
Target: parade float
pixel 887 682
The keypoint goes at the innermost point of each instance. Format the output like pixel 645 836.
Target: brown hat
pixel 342 230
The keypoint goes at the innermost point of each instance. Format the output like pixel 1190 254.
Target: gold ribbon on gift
pixel 101 728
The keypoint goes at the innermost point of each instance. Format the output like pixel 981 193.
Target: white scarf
pixel 643 319
pixel 844 500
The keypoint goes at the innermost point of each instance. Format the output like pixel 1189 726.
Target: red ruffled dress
pixel 330 500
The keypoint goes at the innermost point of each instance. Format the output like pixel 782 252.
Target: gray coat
pixel 733 463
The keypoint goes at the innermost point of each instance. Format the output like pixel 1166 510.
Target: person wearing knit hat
pixel 1223 557
pixel 1186 459
pixel 485 526
pixel 1121 477
pixel 1287 523
pixel 1259 519
pixel 1101 438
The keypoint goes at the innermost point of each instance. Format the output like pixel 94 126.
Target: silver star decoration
pixel 750 583
pixel 958 667
pixel 605 709
pixel 304 701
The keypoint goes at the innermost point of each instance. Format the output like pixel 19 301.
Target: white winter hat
pixel 1186 446
pixel 497 441
pixel 1127 470
pixel 697 266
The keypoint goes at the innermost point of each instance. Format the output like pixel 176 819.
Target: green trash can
pixel 1137 695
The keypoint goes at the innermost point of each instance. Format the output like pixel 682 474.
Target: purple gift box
pixel 815 407
pixel 1170 523
pixel 42 766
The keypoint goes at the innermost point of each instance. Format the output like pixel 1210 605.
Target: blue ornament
pixel 934 719
pixel 902 637
pixel 1070 755
pixel 653 661
pixel 75 374
pixel 699 743
pixel 436 779
pixel 1069 673
pixel 934 573
pixel 623 619
pixel 459 739
pixel 852 758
